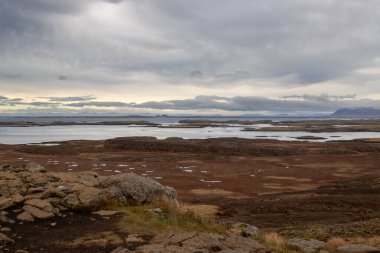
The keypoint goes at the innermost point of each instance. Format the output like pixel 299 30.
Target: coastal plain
pixel 296 189
pixel 246 179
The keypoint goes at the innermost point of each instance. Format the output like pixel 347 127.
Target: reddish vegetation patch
pixel 240 176
pixel 334 191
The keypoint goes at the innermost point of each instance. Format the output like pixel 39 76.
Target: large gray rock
pixel 306 246
pixel 202 242
pixel 244 229
pixel 133 188
pixel 357 248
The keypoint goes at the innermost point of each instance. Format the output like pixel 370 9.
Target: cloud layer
pixel 175 50
pixel 291 105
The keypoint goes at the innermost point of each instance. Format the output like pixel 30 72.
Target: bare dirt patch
pixel 212 192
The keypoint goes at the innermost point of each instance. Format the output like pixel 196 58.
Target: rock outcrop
pixel 133 188
pixel 306 246
pixel 42 195
pixel 357 248
pixel 199 242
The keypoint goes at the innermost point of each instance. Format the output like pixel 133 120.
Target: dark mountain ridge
pixel 359 112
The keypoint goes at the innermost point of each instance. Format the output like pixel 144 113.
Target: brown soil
pixel 312 189
pixel 41 237
pixel 194 173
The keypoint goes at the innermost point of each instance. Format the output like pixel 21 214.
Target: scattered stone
pixel 21 251
pixel 201 242
pixel 88 198
pixel 38 213
pixel 5 203
pixel 244 229
pixel 71 201
pixel 4 218
pixel 134 238
pixel 157 210
pixel 5 229
pixel 120 250
pixel 306 246
pixel 357 248
pixel 41 204
pixel 5 240
pixel 17 198
pixel 53 224
pixel 25 216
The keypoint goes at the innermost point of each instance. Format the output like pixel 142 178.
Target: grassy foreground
pixel 170 218
pixel 165 216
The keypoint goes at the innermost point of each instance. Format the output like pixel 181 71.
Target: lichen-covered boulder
pixel 42 194
pixel 132 188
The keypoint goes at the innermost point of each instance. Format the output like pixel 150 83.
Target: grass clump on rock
pixel 164 215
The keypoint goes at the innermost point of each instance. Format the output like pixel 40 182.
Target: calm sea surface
pixel 38 134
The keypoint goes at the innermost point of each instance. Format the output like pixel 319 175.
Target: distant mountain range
pixel 361 112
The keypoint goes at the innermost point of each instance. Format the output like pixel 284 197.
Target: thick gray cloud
pixel 323 97
pixel 115 47
pixel 260 104
pixel 313 40
pixel 292 105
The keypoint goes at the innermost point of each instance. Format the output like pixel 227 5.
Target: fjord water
pixel 38 134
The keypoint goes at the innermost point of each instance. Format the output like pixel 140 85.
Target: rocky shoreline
pixel 312 126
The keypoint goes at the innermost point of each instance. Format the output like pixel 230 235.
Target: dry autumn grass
pixel 182 217
pixel 333 243
pixel 277 243
pixel 174 217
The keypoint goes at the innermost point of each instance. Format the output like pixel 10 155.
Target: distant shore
pixel 321 125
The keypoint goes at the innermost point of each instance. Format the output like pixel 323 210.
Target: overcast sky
pixel 188 56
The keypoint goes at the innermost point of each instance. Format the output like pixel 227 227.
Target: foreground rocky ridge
pixel 44 194
pixel 30 194
pixel 44 203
